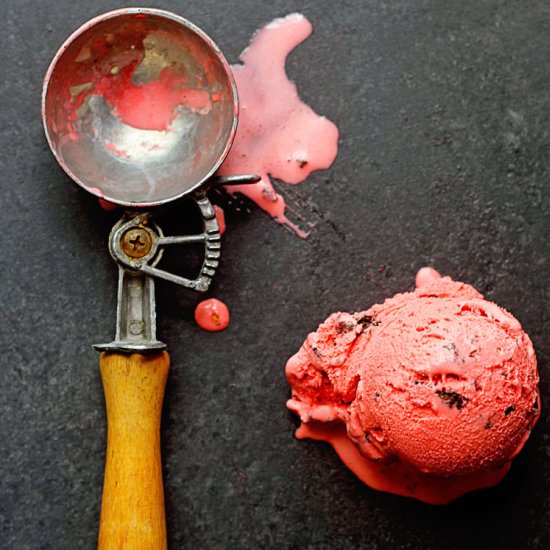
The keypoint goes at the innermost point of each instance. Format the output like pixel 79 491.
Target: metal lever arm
pixel 130 236
pixel 211 238
pixel 137 243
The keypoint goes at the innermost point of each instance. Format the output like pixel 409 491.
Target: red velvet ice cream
pixel 428 395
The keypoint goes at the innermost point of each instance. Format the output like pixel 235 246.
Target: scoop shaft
pixel 132 510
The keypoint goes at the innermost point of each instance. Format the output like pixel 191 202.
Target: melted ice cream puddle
pixel 278 134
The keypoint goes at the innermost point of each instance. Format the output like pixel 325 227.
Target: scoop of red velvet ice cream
pixel 430 394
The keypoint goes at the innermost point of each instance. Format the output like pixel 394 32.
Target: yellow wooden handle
pixel 132 509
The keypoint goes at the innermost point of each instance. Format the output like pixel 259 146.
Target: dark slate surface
pixel 444 112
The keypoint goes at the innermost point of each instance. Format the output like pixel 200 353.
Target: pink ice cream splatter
pixel 116 150
pixel 220 217
pixel 278 134
pixel 107 206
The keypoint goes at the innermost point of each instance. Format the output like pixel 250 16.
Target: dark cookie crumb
pixel 368 320
pixel 343 327
pixel 452 398
pixel 317 352
pixel 509 410
pixel 452 348
pixel 421 378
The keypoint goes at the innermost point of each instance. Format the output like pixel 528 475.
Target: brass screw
pixel 136 243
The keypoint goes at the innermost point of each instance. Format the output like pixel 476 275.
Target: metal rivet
pixel 136 327
pixel 136 243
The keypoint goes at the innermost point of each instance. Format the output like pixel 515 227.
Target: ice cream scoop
pixel 429 395
pixel 140 108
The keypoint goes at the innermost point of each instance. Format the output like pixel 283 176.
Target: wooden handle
pixel 132 510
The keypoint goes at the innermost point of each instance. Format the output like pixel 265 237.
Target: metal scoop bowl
pixel 140 108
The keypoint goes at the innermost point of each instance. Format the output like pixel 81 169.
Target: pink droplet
pixel 212 315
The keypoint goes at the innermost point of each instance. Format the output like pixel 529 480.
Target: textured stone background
pixel 444 112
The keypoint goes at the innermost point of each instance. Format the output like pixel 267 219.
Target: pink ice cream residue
pixel 106 68
pixel 220 218
pixel 278 134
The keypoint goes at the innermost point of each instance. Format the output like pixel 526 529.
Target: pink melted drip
pixel 393 476
pixel 220 218
pixel 278 134
pixel 106 205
